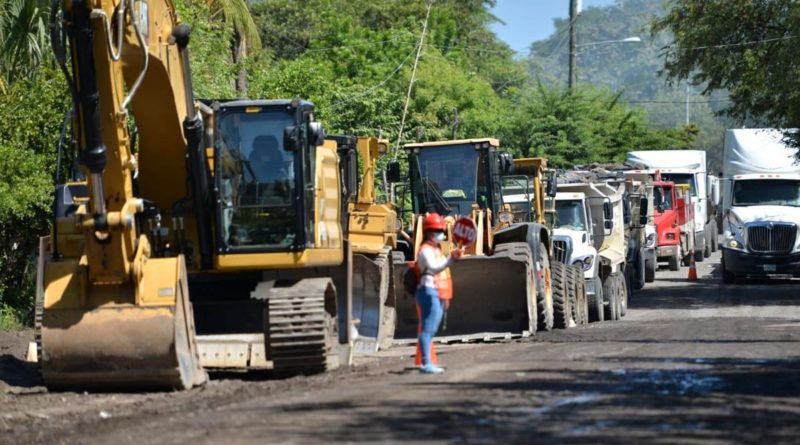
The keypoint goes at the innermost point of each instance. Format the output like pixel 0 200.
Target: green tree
pixel 24 42
pixel 746 48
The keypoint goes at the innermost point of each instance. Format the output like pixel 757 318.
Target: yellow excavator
pixel 221 219
pixel 502 285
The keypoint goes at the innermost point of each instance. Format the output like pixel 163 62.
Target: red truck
pixel 673 221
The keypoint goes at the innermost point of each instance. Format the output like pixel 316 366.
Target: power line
pixel 729 45
pixel 378 85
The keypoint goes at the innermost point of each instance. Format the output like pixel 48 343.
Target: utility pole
pixel 573 42
pixel 687 104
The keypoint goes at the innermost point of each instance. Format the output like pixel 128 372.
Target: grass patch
pixel 9 320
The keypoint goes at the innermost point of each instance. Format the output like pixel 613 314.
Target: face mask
pixel 439 237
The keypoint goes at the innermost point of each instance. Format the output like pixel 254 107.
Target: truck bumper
pixel 743 263
pixel 666 251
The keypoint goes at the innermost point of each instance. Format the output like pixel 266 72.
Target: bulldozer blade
pixel 120 345
pixel 493 297
pixel 371 287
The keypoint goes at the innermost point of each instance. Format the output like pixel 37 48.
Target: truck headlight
pixel 671 236
pixel 650 241
pixel 733 243
pixel 585 263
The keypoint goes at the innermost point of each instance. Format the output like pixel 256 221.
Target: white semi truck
pixel 760 205
pixel 687 167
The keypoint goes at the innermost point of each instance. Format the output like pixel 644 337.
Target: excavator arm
pixel 112 313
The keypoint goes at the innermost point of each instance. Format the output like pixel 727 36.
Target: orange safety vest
pixel 442 280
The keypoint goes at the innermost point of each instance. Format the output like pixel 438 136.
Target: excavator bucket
pixel 116 344
pixel 494 297
pixel 374 320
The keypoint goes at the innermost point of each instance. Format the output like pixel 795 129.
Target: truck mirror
pixel 291 138
pixel 626 212
pixel 317 133
pixel 608 214
pixel 643 211
pixel 393 172
pixel 608 224
pixel 552 184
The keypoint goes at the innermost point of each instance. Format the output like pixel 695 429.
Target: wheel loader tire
pixel 563 295
pixel 675 262
pixel 581 308
pixel 522 252
pixel 544 291
pixel 596 311
pixel 649 271
pixel 611 296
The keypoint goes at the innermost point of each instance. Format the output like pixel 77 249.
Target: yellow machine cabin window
pixel 257 180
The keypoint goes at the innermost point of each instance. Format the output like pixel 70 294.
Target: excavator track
pixel 301 331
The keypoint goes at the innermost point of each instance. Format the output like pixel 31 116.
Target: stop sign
pixel 465 232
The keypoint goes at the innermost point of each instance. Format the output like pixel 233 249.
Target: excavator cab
pixel 264 156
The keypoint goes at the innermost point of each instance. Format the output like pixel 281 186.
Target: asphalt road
pixel 692 362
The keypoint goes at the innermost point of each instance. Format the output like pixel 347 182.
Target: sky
pixel 529 20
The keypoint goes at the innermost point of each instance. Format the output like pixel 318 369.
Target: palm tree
pixel 24 40
pixel 246 37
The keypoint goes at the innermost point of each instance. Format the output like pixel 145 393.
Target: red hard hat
pixel 433 221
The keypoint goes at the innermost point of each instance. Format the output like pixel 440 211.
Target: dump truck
pixel 687 167
pixel 639 187
pixel 370 227
pixel 217 243
pixel 524 197
pixel 672 219
pixel 590 228
pixel 503 284
pixel 761 181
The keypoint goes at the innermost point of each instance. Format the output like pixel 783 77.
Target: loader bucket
pixel 371 287
pixel 493 297
pixel 117 344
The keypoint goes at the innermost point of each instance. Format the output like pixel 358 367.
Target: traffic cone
pixel 692 268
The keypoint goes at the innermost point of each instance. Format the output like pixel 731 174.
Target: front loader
pixel 502 285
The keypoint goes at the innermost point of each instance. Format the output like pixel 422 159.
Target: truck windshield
pixel 450 179
pixel 256 180
pixel 662 196
pixel 517 185
pixel 570 215
pixel 779 192
pixel 682 178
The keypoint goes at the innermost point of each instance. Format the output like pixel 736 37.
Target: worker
pixel 435 287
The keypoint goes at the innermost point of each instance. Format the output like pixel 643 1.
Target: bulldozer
pixel 371 229
pixel 502 285
pixel 209 237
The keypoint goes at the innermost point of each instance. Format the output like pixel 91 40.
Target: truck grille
pixel 771 237
pixel 562 249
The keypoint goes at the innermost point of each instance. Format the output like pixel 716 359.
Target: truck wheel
pixel 728 277
pixel 714 240
pixel 640 276
pixel 707 247
pixel 649 271
pixel 611 297
pixel 675 261
pixel 544 294
pixel 582 307
pixel 562 296
pixel 596 311
pixel 625 293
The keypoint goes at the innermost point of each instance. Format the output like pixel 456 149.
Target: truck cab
pixel 573 235
pixel 670 219
pixel 761 205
